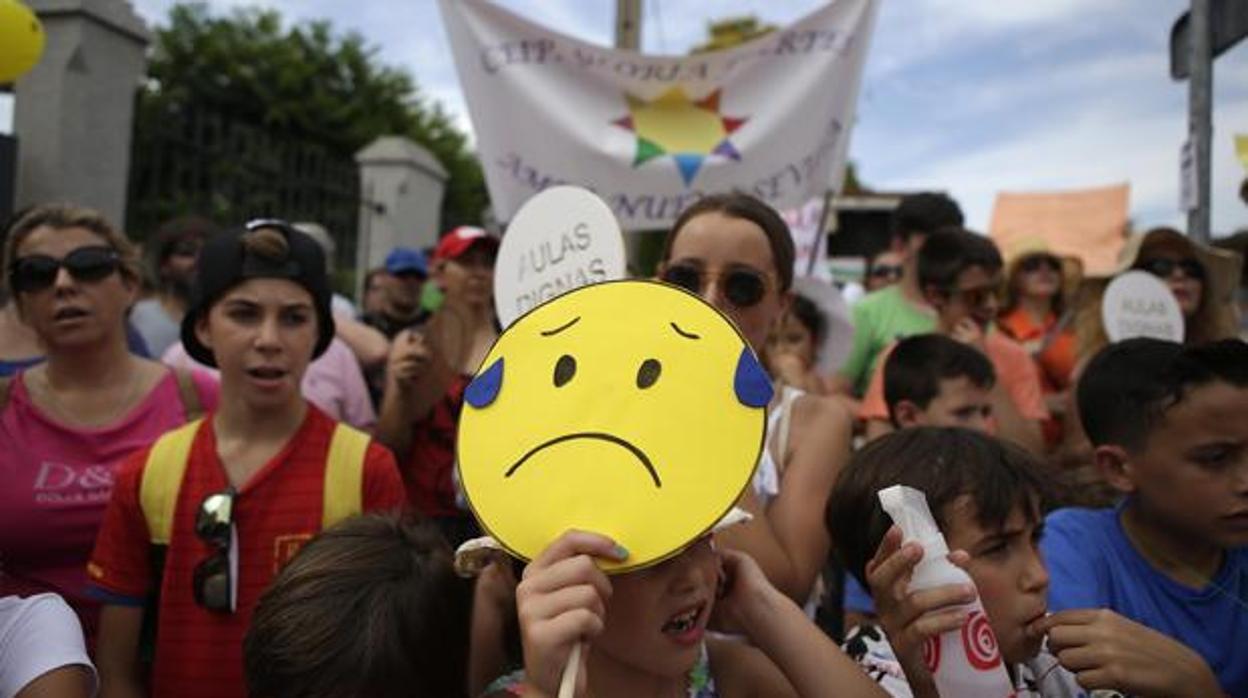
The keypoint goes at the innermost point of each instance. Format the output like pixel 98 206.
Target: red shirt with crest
pixel 199 652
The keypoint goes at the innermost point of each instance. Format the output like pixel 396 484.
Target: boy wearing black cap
pixel 200 522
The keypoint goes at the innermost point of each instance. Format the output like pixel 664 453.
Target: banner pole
pixel 821 236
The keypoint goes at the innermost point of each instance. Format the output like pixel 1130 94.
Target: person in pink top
pixel 66 424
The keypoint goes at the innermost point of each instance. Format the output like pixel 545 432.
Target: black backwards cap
pixel 224 262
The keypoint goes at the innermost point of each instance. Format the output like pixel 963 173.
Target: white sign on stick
pixel 1138 304
pixel 563 238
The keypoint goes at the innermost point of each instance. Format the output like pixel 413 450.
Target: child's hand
pixel 909 619
pixel 968 332
pixel 786 366
pixel 744 593
pixel 1106 650
pixel 562 600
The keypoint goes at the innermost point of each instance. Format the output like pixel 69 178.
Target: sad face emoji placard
pixel 631 408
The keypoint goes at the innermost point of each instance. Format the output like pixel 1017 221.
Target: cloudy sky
pixel 968 96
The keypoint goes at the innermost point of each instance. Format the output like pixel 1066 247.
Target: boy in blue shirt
pixel 987 497
pixel 1170 428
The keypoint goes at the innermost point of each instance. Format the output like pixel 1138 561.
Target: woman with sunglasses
pixel 736 252
pixel 1202 279
pixel 1035 315
pixel 67 423
pixel 229 499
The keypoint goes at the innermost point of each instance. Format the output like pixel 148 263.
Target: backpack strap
pixel 344 475
pixel 162 478
pixel 189 395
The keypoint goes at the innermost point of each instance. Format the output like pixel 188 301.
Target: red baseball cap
pixel 458 241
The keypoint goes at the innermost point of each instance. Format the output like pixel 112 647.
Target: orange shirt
pixel 1056 361
pixel 1014 368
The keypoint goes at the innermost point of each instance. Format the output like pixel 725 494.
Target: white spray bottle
pixel 964 663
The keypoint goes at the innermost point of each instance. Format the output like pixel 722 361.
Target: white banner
pixel 651 134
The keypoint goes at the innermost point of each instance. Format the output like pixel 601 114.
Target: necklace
pixel 62 410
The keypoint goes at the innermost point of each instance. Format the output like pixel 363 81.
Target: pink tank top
pixel 55 480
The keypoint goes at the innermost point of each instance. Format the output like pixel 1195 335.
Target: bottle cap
pixel 908 509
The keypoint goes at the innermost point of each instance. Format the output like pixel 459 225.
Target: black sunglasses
pixel 742 287
pixel 213 584
pixel 886 271
pixel 1038 262
pixel 38 271
pixel 1163 267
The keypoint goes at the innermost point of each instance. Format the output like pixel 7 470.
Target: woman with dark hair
pixel 737 253
pixel 66 424
pixel 199 524
pixel 370 607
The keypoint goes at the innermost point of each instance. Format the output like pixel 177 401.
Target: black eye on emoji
pixel 648 373
pixel 565 368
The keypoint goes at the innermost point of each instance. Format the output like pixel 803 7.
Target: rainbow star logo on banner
pixel 673 124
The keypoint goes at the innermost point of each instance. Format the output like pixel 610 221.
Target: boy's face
pixel 1191 476
pixel 973 296
pixel 1007 570
pixel 958 403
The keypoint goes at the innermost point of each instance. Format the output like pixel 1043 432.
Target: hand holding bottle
pixel 910 619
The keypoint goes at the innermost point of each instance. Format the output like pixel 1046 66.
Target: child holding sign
pixel 646 629
pixel 986 496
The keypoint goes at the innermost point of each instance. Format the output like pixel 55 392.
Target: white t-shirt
pixel 38 634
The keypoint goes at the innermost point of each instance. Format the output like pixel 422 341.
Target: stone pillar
pixel 74 111
pixel 402 185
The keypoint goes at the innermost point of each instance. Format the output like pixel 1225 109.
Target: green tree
pixel 306 82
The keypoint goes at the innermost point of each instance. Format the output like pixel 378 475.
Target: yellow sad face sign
pixel 630 408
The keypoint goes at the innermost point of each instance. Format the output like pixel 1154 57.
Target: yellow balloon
pixel 629 408
pixel 21 40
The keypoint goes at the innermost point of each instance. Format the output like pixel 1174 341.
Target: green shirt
pixel 881 318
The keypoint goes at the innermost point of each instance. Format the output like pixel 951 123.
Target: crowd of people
pixel 222 478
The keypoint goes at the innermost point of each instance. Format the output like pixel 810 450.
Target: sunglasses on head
pixel 213 583
pixel 38 271
pixel 1040 261
pixel 742 287
pixel 1163 267
pixel 886 271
